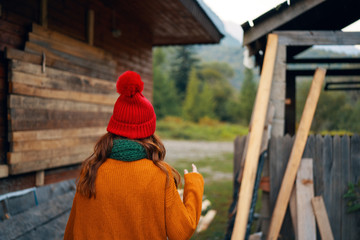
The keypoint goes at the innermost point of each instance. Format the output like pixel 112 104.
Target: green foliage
pixel 217 76
pixel 353 198
pixel 191 104
pixel 166 100
pixel 185 59
pixel 336 110
pixel 207 129
pixel 247 96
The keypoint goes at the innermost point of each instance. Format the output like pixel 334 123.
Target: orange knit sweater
pixel 133 202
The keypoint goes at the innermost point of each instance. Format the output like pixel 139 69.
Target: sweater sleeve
pixel 182 217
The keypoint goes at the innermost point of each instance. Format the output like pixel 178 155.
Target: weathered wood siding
pixel 336 163
pixel 50 117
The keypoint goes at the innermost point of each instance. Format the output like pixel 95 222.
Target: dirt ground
pixel 192 151
pixel 179 149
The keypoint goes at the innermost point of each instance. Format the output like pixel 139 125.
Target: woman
pixel 125 189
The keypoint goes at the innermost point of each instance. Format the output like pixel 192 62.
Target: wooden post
pixel 296 154
pixel 322 218
pixel 4 170
pixel 255 138
pixel 44 14
pixel 90 26
pixel 39 178
pixel 306 229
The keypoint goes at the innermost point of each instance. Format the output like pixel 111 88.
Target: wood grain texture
pixel 57 134
pixel 58 161
pixel 322 218
pixel 253 151
pixel 306 229
pixel 29 90
pixel 29 156
pixel 296 155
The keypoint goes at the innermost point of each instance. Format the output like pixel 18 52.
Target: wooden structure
pixel 336 163
pixel 59 61
pixel 300 25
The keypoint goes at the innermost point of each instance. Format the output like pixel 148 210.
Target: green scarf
pixel 127 150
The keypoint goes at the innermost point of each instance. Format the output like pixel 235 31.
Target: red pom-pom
pixel 129 83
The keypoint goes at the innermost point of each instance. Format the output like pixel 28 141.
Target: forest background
pixel 209 84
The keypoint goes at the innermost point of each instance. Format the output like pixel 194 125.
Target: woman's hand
pixel 194 169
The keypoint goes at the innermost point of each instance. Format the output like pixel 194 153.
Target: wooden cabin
pixel 59 61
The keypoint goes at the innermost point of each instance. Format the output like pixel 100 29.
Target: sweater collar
pixel 127 150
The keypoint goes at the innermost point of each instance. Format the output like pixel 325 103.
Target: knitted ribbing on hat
pixel 127 150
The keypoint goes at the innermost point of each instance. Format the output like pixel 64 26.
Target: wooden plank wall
pixel 336 163
pixel 56 113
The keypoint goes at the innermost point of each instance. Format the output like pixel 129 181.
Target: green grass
pixel 207 129
pixel 218 191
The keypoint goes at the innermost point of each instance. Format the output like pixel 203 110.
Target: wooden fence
pixel 336 163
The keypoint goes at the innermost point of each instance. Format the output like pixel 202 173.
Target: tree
pixel 166 100
pixel 217 76
pixel 247 95
pixel 190 106
pixel 184 61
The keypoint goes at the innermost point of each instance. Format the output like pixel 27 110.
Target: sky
pixel 240 11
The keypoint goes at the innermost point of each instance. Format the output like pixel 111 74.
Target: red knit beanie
pixel 133 116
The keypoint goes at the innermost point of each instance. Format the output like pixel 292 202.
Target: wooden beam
pixel 29 102
pixel 53 36
pixel 306 229
pixel 36 58
pixel 29 156
pixel 322 218
pixel 255 138
pixel 322 60
pixel 28 90
pixel 50 144
pixel 44 13
pixel 329 72
pixel 90 26
pixel 260 29
pixel 296 155
pixel 52 134
pixel 39 178
pixel 4 170
pixel 59 161
pixel 310 38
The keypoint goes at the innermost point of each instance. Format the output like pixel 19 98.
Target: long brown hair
pixel 154 148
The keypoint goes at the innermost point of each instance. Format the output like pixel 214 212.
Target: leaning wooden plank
pixel 56 36
pixel 24 222
pixel 306 228
pixel 49 144
pixel 28 90
pixel 255 138
pixel 29 156
pixel 36 58
pixel 4 170
pixel 296 154
pixel 59 161
pixel 206 220
pixel 56 134
pixel 29 102
pixel 35 48
pixel 322 218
